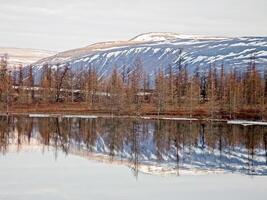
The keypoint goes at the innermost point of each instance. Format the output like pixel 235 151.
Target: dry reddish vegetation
pixel 145 110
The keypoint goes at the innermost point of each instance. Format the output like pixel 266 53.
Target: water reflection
pixel 142 144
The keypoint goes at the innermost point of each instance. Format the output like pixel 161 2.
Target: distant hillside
pixel 20 56
pixel 158 50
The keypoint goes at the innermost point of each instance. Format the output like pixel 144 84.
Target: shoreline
pixel 243 122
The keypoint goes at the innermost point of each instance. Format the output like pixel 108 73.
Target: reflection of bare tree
pixel 202 135
pixel 265 144
pixel 135 148
pixel 159 139
pixel 177 139
pixel 63 131
pixel 24 128
pixel 220 145
pixel 20 129
pixel 113 131
pixel 89 132
pixel 4 134
pixel 250 146
pixel 29 129
pixel 45 131
pixel 54 132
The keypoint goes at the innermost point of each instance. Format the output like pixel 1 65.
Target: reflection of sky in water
pixel 31 175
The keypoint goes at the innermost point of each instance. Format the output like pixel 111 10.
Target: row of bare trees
pixel 220 91
pixel 213 92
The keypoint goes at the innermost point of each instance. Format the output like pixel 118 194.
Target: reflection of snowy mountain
pixel 189 157
pixel 158 50
pixel 151 147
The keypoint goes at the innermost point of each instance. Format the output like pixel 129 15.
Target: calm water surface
pixel 52 158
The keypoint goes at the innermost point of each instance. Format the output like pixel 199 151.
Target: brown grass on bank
pixel 200 112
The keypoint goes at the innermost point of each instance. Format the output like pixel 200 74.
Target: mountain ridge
pixel 159 50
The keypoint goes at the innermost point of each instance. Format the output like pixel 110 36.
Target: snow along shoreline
pixel 246 122
pixel 58 115
pixel 62 116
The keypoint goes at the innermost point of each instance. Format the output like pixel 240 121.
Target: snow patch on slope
pixel 161 36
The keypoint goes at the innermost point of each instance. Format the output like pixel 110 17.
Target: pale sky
pixel 65 24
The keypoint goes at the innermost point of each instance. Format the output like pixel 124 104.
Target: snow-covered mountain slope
pixel 20 56
pixel 158 50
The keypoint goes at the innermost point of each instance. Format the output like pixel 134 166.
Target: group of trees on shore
pixel 213 92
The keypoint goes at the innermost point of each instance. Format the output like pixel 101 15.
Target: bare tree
pixel 60 76
pixel 5 83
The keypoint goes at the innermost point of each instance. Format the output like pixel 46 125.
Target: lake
pixel 128 158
